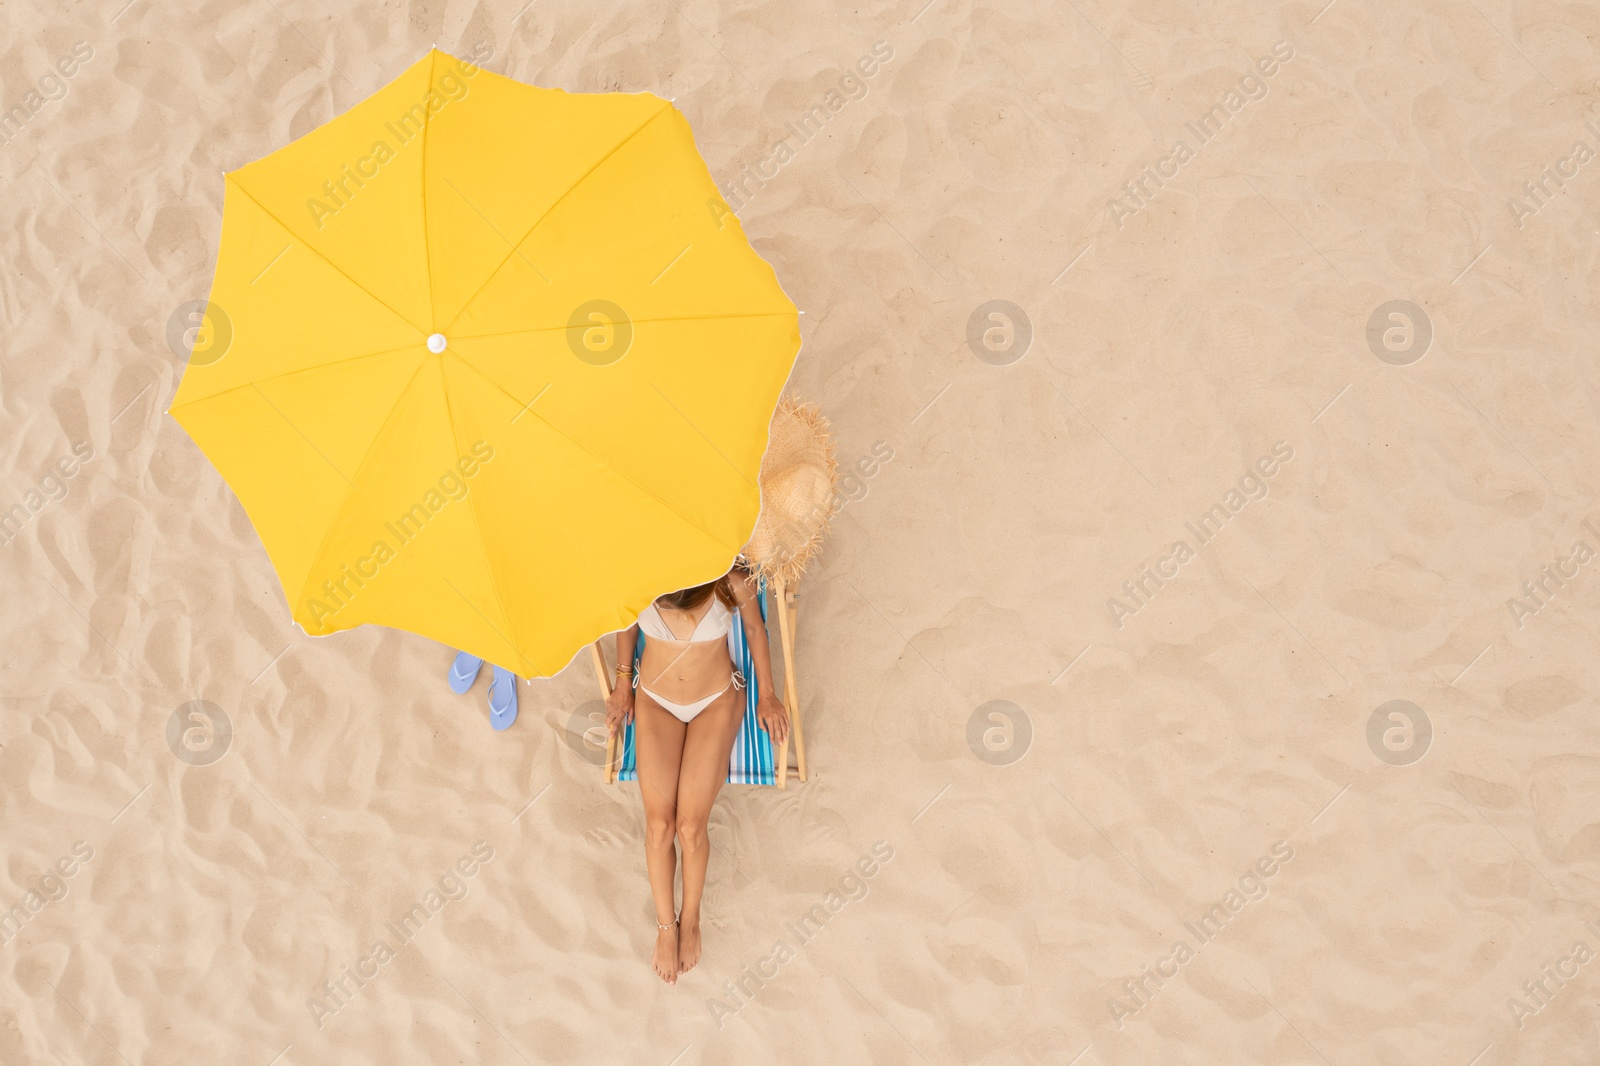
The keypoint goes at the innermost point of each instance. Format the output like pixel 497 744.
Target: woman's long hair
pixel 690 598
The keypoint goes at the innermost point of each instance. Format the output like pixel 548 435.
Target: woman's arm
pixel 770 711
pixel 627 640
pixel 619 705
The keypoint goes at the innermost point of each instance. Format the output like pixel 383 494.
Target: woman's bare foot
pixel 665 959
pixel 688 943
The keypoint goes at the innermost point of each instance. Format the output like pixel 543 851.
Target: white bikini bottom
pixel 684 712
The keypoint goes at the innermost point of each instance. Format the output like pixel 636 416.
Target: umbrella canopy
pixel 490 363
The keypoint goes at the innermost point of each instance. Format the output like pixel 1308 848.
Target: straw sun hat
pixel 799 494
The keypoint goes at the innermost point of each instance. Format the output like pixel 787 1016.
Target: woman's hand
pixel 774 718
pixel 619 707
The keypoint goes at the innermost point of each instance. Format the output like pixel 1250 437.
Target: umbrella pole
pixel 605 693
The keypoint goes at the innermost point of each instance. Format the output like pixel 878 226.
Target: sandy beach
pixel 1200 670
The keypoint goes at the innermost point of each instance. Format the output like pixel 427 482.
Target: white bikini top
pixel 714 625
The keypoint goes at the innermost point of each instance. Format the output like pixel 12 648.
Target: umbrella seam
pixel 285 374
pixel 301 241
pixel 339 512
pixel 707 439
pixel 427 251
pixel 642 490
pixel 631 322
pixel 477 523
pixel 554 204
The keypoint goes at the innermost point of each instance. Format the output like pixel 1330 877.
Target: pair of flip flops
pixel 502 690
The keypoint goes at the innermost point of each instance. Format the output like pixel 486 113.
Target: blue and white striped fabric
pixel 752 761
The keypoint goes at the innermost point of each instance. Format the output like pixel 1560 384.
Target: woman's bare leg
pixel 703 773
pixel 658 752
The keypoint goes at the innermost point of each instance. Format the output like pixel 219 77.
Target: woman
pixel 687 710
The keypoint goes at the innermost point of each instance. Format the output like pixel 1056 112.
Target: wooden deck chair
pixel 752 761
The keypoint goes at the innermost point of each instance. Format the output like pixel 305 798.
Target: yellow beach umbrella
pixel 490 363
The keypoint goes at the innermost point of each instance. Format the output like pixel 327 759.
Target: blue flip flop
pixel 502 699
pixel 463 672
